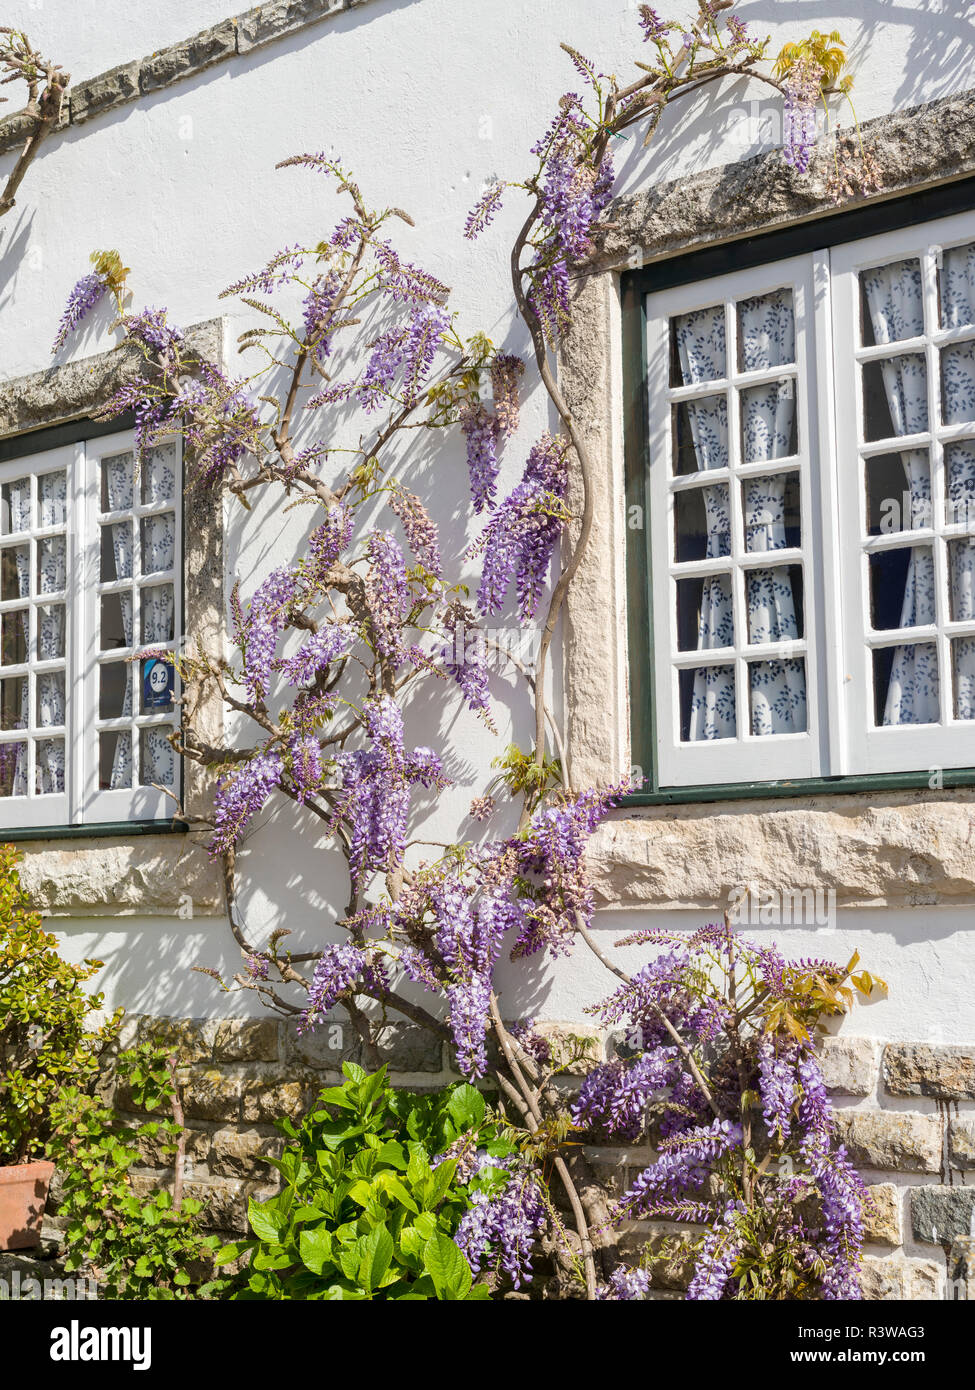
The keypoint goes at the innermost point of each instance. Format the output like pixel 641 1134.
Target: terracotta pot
pixel 23 1193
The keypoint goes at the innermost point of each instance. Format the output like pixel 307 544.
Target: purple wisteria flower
pixel 504 1228
pixel 483 212
pixel 318 313
pixel 520 538
pixel 338 970
pixel 240 796
pixel 481 430
pixel 317 653
pixel 801 86
pixel 625 1285
pixel 403 354
pixel 465 658
pixel 258 637
pixel 83 297
pixel 387 595
pixel 419 529
pixel 506 369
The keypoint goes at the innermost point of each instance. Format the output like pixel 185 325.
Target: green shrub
pixel 47 1042
pixel 366 1212
pixel 136 1248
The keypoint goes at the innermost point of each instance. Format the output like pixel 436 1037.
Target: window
pixel 810 444
pixel 90 558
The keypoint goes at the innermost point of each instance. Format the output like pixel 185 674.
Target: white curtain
pixel 958 311
pixel 18 498
pixel 895 303
pixel 52 558
pixel 120 498
pixel 778 691
pixel 158 760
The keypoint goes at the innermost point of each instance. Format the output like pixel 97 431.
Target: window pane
pixel 15 506
pixel 768 421
pixel 963 672
pixel 157 760
pixel 115 690
pixel 892 304
pixel 707 703
pixel 13 643
pixel 766 331
pixel 116 557
pixel 777 695
pixel 52 499
pixel 902 588
pixel 115 760
pixel 157 611
pixel 50 632
pixel 52 564
pixel 14 572
pixel 13 769
pixel 159 473
pixel 50 700
pixel 117 494
pixel 698 347
pixel 156 686
pixel 13 703
pixel 774 598
pixel 49 766
pixel 700 435
pixel 115 621
pixel 957 285
pixel 898 492
pixel 906 685
pixel 958 383
pixel 702 523
pixel 960 469
pixel 895 397
pixel 705 618
pixel 771 511
pixel 158 543
pixel 961 576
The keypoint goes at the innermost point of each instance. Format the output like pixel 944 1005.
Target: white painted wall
pixel 425 100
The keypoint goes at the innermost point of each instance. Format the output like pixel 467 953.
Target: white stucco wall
pixel 424 100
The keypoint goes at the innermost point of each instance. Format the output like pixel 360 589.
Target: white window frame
pixel 841 738
pixel 83 802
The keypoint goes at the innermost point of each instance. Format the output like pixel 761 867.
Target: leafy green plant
pixel 135 1247
pixel 376 1182
pixel 47 1041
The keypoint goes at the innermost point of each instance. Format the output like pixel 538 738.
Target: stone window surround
pixel 874 849
pixel 95 871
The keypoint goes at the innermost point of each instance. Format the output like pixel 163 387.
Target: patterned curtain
pixel 896 310
pixel 20 519
pixel 52 499
pixel 157 602
pixel 958 311
pixel 118 483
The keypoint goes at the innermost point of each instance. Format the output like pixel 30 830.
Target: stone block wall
pixel 906 1114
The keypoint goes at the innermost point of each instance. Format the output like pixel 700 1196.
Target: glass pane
pixel 961 576
pixel 707 703
pixel 15 506
pixel 958 383
pixel 52 498
pixel 13 703
pixel 902 588
pixel 158 543
pixel 50 700
pixel 52 564
pixel 49 766
pixel 960 469
pixel 906 685
pixel 114 690
pixel 157 760
pixel 157 678
pixel 13 641
pixel 14 572
pixel 13 769
pixel 777 697
pixel 892 304
pixel 774 598
pixel 963 673
pixel 766 331
pixel 768 421
pixel 771 511
pixel 115 760
pixel 898 492
pixel 115 621
pixel 116 557
pixel 157 613
pixel 50 632
pixel 159 473
pixel 698 347
pixel 117 472
pixel 895 397
pixel 700 434
pixel 705 617
pixel 957 285
pixel 702 523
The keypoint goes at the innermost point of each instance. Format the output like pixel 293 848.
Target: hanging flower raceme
pixel 481 431
pixel 318 312
pixel 520 538
pixel 506 369
pixel 258 635
pixel 405 355
pixel 615 1097
pixel 338 969
pixel 240 796
pixel 465 658
pixel 419 529
pixel 802 86
pixel 82 299
pixel 317 653
pixel 502 1229
pixel 327 542
pixel 484 210
pixel 388 595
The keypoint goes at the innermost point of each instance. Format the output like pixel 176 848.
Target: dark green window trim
pixel 689 268
pixel 96 830
pixel 24 446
